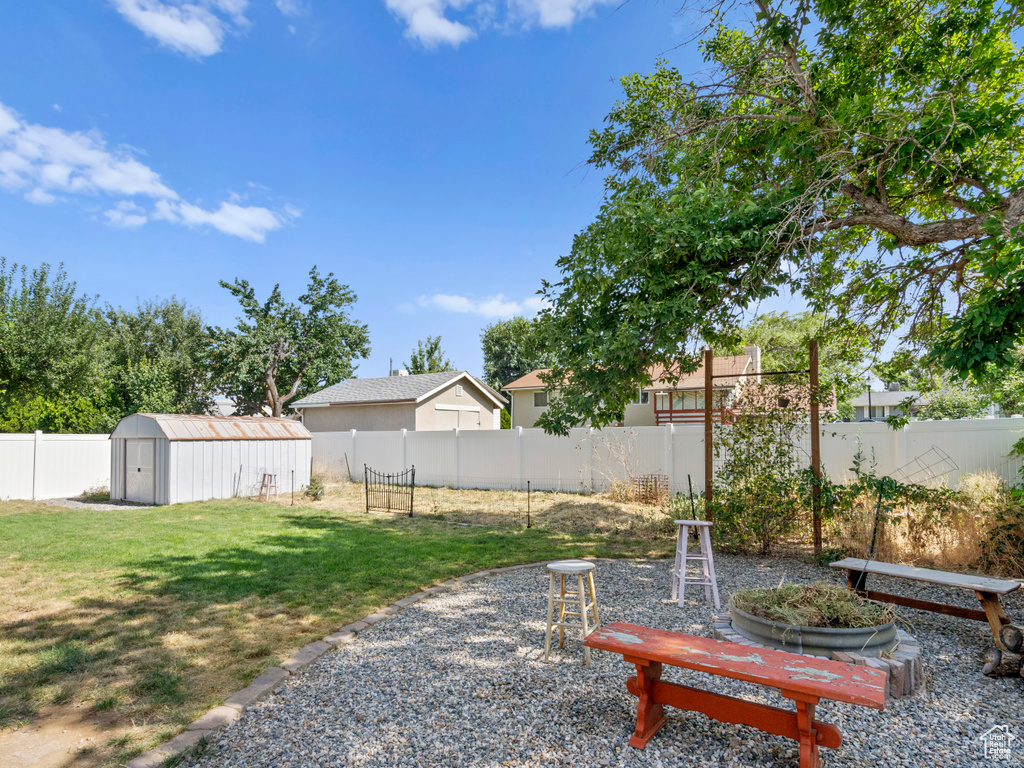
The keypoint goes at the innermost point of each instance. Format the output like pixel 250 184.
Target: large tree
pixel 865 155
pixel 428 357
pixel 159 358
pixel 512 348
pixel 51 353
pixel 280 350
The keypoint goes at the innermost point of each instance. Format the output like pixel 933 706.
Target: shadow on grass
pixel 181 632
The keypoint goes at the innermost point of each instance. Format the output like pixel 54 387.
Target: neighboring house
pixel 426 401
pixel 663 402
pixel 882 405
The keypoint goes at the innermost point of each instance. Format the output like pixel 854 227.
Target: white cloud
pixel 194 28
pixel 491 307
pixel 56 108
pixel 126 214
pixel 553 13
pixel 291 7
pixel 44 163
pixel 430 22
pixel 426 22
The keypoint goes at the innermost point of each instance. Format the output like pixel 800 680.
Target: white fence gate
pixel 42 466
pixel 923 451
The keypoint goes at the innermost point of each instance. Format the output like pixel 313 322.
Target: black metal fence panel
pixel 389 492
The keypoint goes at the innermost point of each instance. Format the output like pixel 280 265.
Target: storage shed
pixel 169 458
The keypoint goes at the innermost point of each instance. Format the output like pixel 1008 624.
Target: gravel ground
pixel 458 680
pixel 78 503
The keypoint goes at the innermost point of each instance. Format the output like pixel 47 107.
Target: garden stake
pixel 293 487
pixel 693 509
pixel 862 576
pixel 527 503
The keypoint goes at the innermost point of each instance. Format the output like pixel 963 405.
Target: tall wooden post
pixel 815 448
pixel 709 478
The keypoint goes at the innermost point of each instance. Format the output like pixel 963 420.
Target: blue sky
pixel 428 152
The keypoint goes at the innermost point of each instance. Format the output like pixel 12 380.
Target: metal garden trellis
pixel 389 492
pixel 812 371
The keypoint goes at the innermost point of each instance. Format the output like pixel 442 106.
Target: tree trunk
pixel 1012 637
pixel 1001 663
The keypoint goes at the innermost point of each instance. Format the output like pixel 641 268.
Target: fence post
pixel 38 438
pixel 354 462
pixel 456 430
pixel 670 463
pixel 588 468
pixel 405 460
pixel 519 457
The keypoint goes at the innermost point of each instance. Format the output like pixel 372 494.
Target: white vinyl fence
pixel 926 452
pixel 42 466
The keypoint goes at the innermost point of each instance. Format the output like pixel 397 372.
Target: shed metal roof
pixel 391 389
pixel 188 427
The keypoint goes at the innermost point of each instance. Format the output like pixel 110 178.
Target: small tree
pixel 280 350
pixel 512 348
pixel 428 357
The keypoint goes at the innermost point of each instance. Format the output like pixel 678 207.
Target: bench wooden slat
pixel 929 576
pixel 777 669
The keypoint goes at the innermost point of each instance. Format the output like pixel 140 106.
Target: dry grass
pixel 813 605
pixel 561 512
pixel 954 534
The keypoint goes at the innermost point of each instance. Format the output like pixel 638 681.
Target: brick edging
pixel 205 726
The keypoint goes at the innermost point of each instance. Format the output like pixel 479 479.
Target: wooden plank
pixel 929 576
pixel 925 605
pixel 729 709
pixel 777 669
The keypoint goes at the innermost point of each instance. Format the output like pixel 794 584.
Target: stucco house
pixel 426 401
pixel 663 402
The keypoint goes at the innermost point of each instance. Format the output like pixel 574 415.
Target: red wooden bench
pixel 804 679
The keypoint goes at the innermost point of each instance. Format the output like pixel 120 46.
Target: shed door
pixel 138 474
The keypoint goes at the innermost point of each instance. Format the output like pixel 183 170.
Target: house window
pixel 642 398
pixel 661 401
pixel 877 412
pixel 458 390
pixel 677 401
pixel 540 399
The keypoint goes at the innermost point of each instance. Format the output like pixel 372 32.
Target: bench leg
pixel 994 613
pixel 650 715
pixel 809 757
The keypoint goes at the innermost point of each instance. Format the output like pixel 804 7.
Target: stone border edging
pixel 205 726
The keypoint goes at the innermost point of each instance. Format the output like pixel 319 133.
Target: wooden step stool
pixel 680 577
pixel 577 599
pixel 268 486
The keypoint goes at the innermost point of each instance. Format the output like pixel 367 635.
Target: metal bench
pixel 803 679
pixel 988 590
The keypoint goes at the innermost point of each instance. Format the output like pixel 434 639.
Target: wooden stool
pixel 577 599
pixel 680 578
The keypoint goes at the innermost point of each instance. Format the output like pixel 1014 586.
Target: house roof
pixel 885 398
pixel 730 365
pixel 392 389
pixel 186 427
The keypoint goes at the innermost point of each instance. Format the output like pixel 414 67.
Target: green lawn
pixel 155 615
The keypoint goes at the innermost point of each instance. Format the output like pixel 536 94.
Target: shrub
pixel 316 489
pixel 763 486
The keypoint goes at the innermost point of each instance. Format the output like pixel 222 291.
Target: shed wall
pixel 218 469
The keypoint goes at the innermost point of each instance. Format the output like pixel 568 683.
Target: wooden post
pixel 708 434
pixel 815 448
